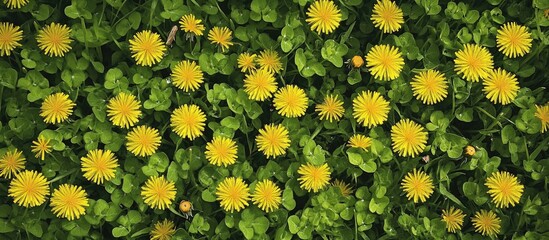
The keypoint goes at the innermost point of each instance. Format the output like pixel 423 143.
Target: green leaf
pixel 378 205
pixel 120 231
pixel 541 4
pixel 199 225
pixel 472 191
pixel 354 77
pixel 270 16
pixel 9 77
pixel 368 166
pixel 293 224
pixel 44 11
pixel 72 12
pixel 347 214
pixel 449 195
pixel 208 196
pixel 527 71
pixel 300 59
pixel 260 225
pixel 172 174
pixel 231 122
pixel 507 133
pixel 246 229
pixel 354 158
pixel 464 114
pixel 5 226
pixel 471 17
pixel 123 27
pixel 28 63
pixel 127 185
pixel 240 16
pixel 159 161
pixel 134 217
pixel 496 2
pixel 35 228
pixel 334 52
pixel 288 199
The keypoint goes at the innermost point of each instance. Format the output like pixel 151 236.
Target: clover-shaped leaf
pixel 334 52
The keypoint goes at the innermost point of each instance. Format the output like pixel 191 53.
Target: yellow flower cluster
pixel 260 73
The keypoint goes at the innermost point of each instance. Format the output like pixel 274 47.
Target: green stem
pixel 496 121
pixel 175 212
pixel 356 226
pixel 317 130
pixel 153 8
pixel 63 176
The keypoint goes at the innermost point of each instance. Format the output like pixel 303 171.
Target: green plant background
pixel 100 66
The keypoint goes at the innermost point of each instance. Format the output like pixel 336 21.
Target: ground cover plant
pixel 279 119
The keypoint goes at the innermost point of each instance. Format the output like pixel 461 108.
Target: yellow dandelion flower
pixel 41 146
pixel 513 40
pixel 323 16
pixel 188 121
pixel 124 110
pixel 473 62
pixel 158 193
pixel 331 109
pixel 357 61
pixel 430 87
pixel 453 218
pixel 501 86
pixel 546 13
pixel 409 138
pixel 191 25
pixel 504 188
pixel 246 62
pixel 56 108
pixel 99 166
pixel 221 151
pixel 418 186
pixel 143 141
pixel 360 141
pixel 273 140
pixel 260 84
pixel 11 4
pixel 69 201
pixel 314 178
pixel 54 39
pixel 163 230
pixel 29 189
pixel 269 60
pixel 345 189
pixel 370 109
pixel 187 75
pixel 10 36
pixel 267 196
pixel 387 16
pixel 221 36
pixel 385 62
pixel 147 48
pixel 233 194
pixel 542 112
pixel 486 223
pixel 12 162
pixel 291 101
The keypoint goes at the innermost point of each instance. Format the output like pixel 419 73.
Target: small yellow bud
pixel 186 208
pixel 470 150
pixel 357 61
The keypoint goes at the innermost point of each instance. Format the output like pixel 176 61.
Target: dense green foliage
pixel 99 66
